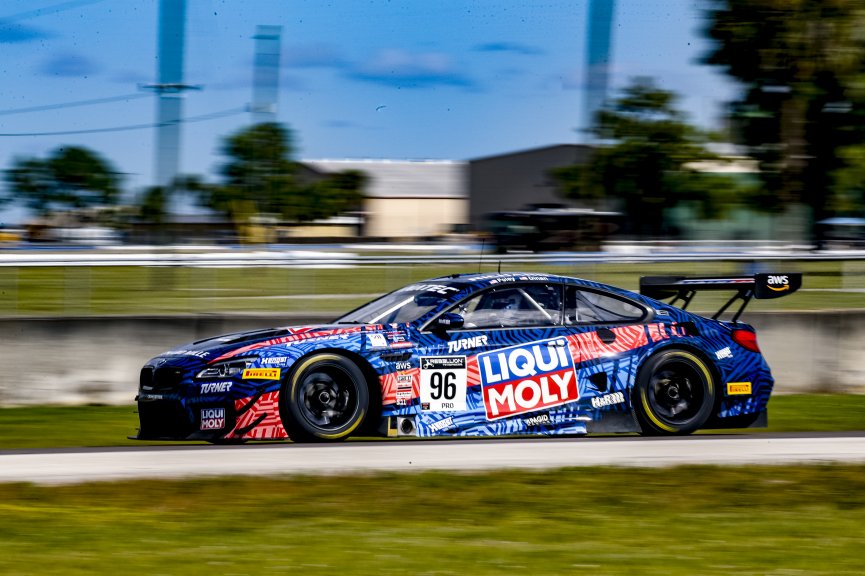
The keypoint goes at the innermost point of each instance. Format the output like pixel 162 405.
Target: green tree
pixel 153 205
pixel 71 177
pixel 800 64
pixel 259 177
pixel 644 160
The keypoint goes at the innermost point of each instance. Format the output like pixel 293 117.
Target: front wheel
pixel 325 398
pixel 675 393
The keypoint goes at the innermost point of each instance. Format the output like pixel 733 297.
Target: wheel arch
pixel 371 377
pixel 686 347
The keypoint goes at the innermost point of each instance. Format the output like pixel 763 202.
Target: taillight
pixel 746 339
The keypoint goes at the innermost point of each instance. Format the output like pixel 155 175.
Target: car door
pixel 510 357
pixel 605 328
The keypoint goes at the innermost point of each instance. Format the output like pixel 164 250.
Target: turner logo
pixel 778 283
pixel 526 378
pixel 466 343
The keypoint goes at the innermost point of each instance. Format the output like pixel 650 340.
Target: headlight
pixel 227 369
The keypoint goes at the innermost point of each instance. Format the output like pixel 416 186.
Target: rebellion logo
pixel 527 378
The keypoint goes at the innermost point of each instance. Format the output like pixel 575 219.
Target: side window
pixel 589 307
pixel 513 306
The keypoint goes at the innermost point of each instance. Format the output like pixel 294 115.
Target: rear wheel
pixel 325 398
pixel 675 393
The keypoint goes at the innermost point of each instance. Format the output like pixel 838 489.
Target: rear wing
pixel 760 286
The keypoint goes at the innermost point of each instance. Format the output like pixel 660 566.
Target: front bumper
pixel 169 419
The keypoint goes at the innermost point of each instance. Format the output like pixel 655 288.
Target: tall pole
pixel 169 89
pixel 597 58
pixel 265 82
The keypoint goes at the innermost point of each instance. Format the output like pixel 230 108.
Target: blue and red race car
pixel 476 355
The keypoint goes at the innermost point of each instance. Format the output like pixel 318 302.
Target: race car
pixel 476 355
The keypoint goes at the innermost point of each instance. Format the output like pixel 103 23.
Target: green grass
pixel 670 522
pixel 81 291
pixel 65 426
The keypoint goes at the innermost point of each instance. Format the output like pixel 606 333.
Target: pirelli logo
pixel 738 388
pixel 261 373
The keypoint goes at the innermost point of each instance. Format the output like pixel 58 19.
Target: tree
pixel 71 177
pixel 259 178
pixel 153 205
pixel 800 64
pixel 643 160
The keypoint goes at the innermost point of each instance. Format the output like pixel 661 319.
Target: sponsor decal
pixel 196 353
pixel 435 288
pixel 527 378
pixel 778 283
pixel 212 418
pixel 405 344
pixel 738 388
pixel 497 276
pixel 403 365
pixel 262 373
pixel 537 420
pixel 146 397
pixel 377 340
pixel 215 387
pixel 396 336
pixel 403 395
pixel 608 400
pixel 443 383
pixel 443 424
pixel 402 402
pixel 466 343
pixel 723 353
pixel 530 277
pixel 424 406
pixel 404 378
pixel 276 360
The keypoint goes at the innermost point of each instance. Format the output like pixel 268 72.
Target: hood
pixel 238 343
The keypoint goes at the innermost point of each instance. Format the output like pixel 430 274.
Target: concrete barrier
pixel 97 360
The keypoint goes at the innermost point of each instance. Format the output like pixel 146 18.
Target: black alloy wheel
pixel 325 398
pixel 675 393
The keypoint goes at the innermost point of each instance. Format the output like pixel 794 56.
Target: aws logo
pixel 778 283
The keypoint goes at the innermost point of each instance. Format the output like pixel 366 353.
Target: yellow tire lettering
pixel 294 381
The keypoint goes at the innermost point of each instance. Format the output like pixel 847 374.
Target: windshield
pixel 405 305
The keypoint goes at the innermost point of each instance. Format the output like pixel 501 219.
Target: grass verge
pixel 65 426
pixel 681 521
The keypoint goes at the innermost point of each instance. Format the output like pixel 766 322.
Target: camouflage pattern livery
pixel 487 355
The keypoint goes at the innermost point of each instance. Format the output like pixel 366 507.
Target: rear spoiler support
pixel 684 288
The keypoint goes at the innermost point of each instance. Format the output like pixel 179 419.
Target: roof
pixel 575 150
pixel 404 178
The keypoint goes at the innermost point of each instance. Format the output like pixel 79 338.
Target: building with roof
pixel 515 180
pixel 407 199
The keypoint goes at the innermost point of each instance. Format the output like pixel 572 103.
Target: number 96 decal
pixel 443 383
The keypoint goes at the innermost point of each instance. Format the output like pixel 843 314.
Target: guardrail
pixel 311 258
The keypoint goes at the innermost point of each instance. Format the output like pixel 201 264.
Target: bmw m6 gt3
pixel 476 355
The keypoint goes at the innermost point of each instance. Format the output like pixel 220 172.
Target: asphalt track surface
pixel 64 466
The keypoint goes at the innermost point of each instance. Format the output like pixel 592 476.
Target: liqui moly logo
pixel 212 418
pixel 528 377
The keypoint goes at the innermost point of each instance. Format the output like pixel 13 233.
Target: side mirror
pixel 448 321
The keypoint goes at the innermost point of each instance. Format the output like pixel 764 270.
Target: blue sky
pixel 399 79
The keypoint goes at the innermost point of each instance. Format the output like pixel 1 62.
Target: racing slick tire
pixel 324 399
pixel 675 393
